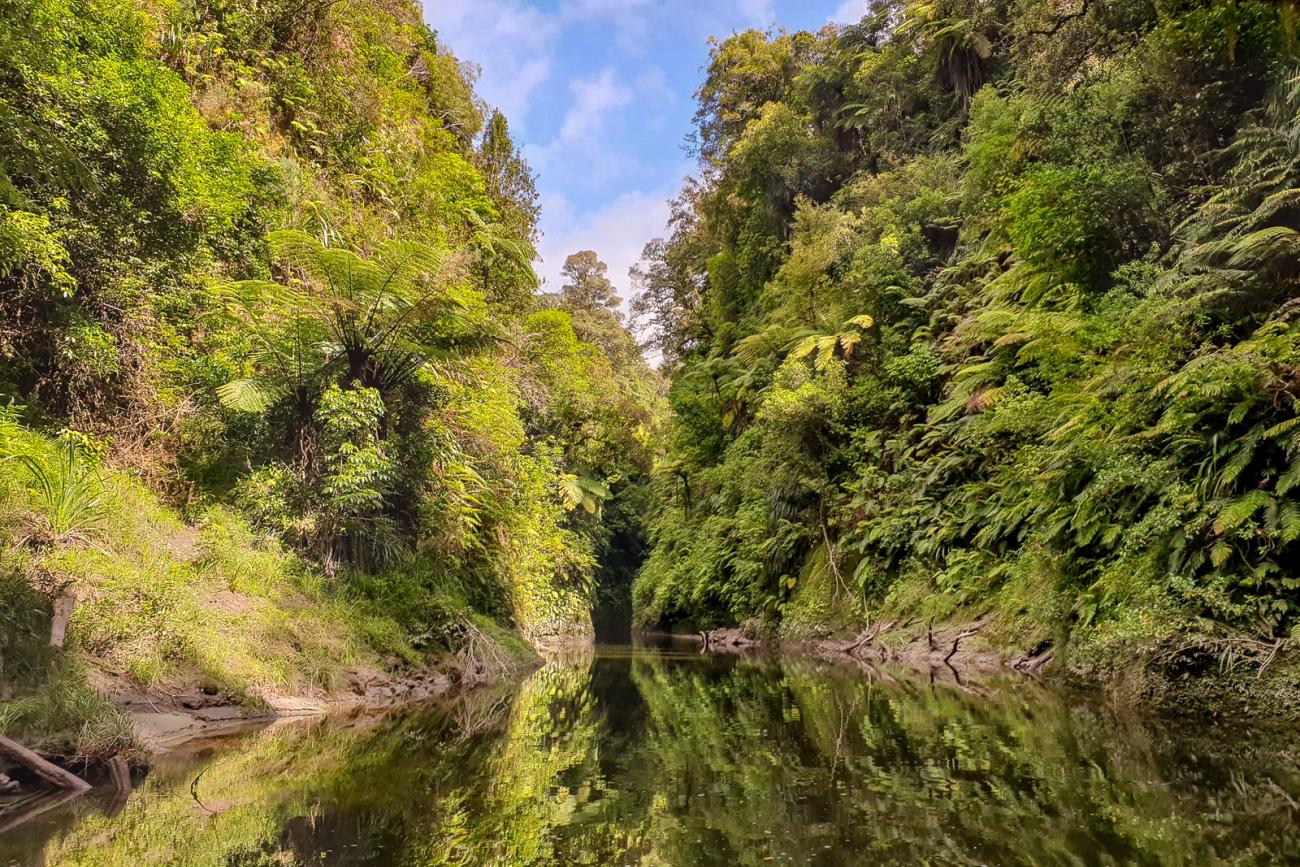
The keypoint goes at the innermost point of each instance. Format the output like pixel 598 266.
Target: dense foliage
pixel 276 258
pixel 983 304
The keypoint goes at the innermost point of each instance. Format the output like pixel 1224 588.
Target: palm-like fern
pixel 959 43
pixel 1242 244
pixel 823 346
pixel 821 342
pixel 496 246
pixel 369 321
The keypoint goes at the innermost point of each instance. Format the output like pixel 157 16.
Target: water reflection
pixel 657 757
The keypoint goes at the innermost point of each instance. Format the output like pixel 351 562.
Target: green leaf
pixel 244 395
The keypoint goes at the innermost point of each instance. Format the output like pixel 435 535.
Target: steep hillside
pixel 989 307
pixel 279 396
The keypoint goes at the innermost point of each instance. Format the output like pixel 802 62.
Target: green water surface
pixel 661 757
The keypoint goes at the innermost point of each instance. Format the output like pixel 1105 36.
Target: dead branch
pixel 830 559
pixel 1231 652
pixel 868 636
pixel 958 640
pixel 50 773
pixel 480 657
pixel 1290 802
pixel 864 638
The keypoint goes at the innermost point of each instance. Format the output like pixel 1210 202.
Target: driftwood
pixel 63 607
pixel 868 636
pixel 956 641
pixel 52 774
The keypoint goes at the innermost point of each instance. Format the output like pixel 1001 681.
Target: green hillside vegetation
pixel 989 306
pixel 278 396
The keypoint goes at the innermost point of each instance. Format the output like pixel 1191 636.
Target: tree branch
pixel 1062 20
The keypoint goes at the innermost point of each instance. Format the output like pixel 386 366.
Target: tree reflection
pixel 662 759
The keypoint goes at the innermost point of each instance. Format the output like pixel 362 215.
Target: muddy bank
pixel 910 642
pixel 163 722
pixel 167 721
pixel 1185 676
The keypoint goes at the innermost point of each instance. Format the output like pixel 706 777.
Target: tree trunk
pixel 120 773
pixel 63 607
pixel 52 774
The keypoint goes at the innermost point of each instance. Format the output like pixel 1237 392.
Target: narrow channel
pixel 664 755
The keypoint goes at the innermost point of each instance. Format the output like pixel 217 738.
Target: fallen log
pixel 50 773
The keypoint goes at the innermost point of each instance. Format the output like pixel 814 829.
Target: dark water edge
pixel 665 756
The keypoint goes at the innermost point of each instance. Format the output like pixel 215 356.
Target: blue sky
pixel 599 97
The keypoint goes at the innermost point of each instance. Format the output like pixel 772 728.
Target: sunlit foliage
pixel 957 324
pixel 276 258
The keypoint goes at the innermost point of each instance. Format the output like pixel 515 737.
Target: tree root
pixel 866 637
pixel 1232 653
pixel 961 636
pixel 480 658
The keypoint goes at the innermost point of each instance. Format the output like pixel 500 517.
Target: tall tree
pixel 587 285
pixel 510 183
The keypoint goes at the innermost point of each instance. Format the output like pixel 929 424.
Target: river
pixel 655 756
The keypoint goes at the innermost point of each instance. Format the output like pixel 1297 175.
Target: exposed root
pixel 1285 796
pixel 1231 653
pixel 868 636
pixel 480 659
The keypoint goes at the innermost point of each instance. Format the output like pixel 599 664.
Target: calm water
pixel 655 757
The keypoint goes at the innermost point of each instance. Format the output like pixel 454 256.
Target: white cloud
pixel 652 86
pixel 593 99
pixel 850 11
pixel 617 231
pixel 585 152
pixel 630 19
pixel 759 13
pixel 512 42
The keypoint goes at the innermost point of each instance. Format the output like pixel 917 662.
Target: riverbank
pixel 197 620
pixel 158 723
pixel 1190 674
